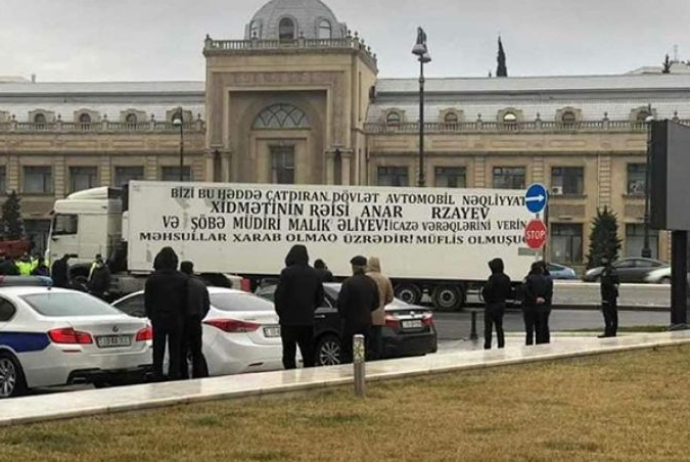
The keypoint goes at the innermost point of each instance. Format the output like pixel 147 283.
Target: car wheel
pixel 11 377
pixel 447 298
pixel 408 293
pixel 328 351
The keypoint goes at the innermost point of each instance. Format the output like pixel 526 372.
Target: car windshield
pixel 239 302
pixel 68 304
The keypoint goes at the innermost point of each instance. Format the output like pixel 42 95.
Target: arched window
pixel 40 121
pixel 85 121
pixel 568 118
pixel 325 30
pixel 131 121
pixel 278 116
pixel 451 118
pixel 642 116
pixel 286 29
pixel 393 119
pixel 255 30
pixel 509 118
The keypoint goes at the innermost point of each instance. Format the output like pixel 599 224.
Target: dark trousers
pixel 346 341
pixel 610 310
pixel 170 334
pixel 493 316
pixel 293 336
pixel 192 349
pixel 529 314
pixel 542 325
pixel 375 344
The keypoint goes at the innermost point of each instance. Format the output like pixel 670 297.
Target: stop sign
pixel 536 234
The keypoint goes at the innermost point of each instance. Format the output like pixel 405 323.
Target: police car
pixel 53 337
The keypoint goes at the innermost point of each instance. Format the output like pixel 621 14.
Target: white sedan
pixel 240 333
pixel 54 337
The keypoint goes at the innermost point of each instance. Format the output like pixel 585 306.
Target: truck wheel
pixel 447 298
pixel 328 351
pixel 408 293
pixel 12 381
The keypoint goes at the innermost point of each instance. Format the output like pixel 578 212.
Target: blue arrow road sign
pixel 536 198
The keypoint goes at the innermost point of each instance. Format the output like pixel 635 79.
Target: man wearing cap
pixel 358 298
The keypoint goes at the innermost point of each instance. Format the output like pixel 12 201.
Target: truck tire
pixel 447 298
pixel 408 293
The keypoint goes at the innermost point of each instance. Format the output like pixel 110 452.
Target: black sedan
pixel 628 270
pixel 409 329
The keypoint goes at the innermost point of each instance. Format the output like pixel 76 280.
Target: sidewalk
pixel 93 402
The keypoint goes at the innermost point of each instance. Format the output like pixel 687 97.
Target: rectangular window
pixel 3 180
pixel 283 165
pixel 38 180
pixel 566 243
pixel 124 175
pixel 393 176
pixel 509 177
pixel 451 177
pixel 81 178
pixel 634 240
pixel 173 174
pixel 569 181
pixel 637 179
pixel 64 225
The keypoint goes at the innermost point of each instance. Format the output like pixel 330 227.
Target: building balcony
pixel 104 126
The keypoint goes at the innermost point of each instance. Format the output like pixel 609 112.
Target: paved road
pixel 457 326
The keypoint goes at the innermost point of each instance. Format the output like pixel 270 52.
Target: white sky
pixel 107 40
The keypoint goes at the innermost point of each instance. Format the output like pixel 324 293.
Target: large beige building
pixel 298 100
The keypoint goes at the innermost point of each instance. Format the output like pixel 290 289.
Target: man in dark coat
pixel 41 268
pixel 198 306
pixel 99 283
pixel 496 291
pixel 358 298
pixel 324 272
pixel 60 272
pixel 298 295
pixel 544 311
pixel 165 301
pixel 537 291
pixel 609 298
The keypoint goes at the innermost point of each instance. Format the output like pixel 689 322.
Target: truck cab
pixel 85 224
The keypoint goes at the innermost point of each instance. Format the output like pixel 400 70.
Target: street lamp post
pixel 178 121
pixel 422 52
pixel 646 249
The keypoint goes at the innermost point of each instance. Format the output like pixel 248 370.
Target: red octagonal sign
pixel 535 234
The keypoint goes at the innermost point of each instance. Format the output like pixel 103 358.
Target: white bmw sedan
pixel 240 333
pixel 53 337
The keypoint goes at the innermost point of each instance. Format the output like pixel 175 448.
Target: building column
pixel 226 167
pixel 346 168
pixel 330 167
pixel 13 174
pixel 105 172
pixel 60 177
pixel 209 173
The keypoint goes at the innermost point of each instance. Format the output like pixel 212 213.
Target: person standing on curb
pixel 298 295
pixel 59 272
pixel 536 290
pixel 198 306
pixel 378 317
pixel 358 298
pixel 165 300
pixel 609 298
pixel 544 311
pixel 496 291
pixel 324 272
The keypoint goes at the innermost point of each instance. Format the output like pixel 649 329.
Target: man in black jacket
pixel 60 272
pixel 538 291
pixel 198 306
pixel 165 300
pixel 324 272
pixel 99 283
pixel 609 298
pixel 298 295
pixel 358 298
pixel 496 291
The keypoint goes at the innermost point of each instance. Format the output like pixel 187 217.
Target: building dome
pixel 292 19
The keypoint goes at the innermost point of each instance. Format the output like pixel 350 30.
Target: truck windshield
pixel 64 305
pixel 65 224
pixel 240 302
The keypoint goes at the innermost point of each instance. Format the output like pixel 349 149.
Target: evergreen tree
pixel 501 70
pixel 604 241
pixel 12 223
pixel 667 65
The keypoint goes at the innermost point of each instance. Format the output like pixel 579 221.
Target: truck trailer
pixel 430 241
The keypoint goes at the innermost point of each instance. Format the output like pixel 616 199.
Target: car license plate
pixel 414 324
pixel 114 341
pixel 272 332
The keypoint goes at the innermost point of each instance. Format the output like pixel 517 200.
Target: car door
pixel 642 269
pixel 626 270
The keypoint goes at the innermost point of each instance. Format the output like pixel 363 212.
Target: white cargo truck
pixel 429 240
